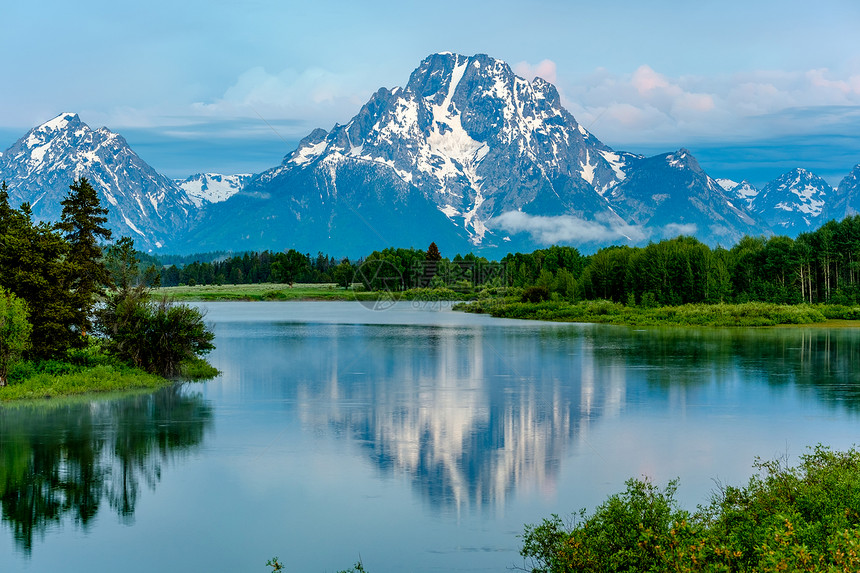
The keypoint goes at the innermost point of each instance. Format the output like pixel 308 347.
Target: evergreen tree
pixel 83 221
pixel 430 266
pixel 433 253
pixel 122 263
pixel 33 266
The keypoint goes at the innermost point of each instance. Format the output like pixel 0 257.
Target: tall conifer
pixel 82 222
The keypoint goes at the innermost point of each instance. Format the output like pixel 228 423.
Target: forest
pixel 817 267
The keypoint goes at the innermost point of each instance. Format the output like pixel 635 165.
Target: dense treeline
pixel 266 267
pixel 816 267
pixel 821 266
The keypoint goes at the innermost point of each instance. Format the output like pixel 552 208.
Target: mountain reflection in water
pixel 66 459
pixel 473 415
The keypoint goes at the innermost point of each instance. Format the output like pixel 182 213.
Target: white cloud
pixel 647 106
pixel 546 69
pixel 313 93
pixel 566 228
pixel 674 229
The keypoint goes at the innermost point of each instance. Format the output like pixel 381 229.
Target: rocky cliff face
pixel 844 201
pixel 670 194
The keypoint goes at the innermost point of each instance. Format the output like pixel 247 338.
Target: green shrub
pixel 803 518
pixel 156 336
pixel 535 294
pixel 15 330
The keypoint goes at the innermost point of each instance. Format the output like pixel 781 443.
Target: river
pixel 413 438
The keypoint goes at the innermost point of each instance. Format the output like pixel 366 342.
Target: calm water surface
pixel 417 439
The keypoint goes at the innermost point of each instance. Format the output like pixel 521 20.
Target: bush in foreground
pixel 803 518
pixel 156 336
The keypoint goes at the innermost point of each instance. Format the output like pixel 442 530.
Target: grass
pixel 89 371
pixel 745 314
pixel 94 379
pixel 279 291
pixel 262 291
pixel 197 369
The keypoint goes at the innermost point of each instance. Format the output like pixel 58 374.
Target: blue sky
pixel 752 88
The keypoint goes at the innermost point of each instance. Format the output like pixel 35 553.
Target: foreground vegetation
pixel 803 518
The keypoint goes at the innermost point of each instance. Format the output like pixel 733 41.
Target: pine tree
pixel 83 221
pixel 33 266
pixel 430 265
pixel 433 253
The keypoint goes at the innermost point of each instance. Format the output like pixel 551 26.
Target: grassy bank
pixel 279 291
pixel 262 291
pixel 94 379
pixel 746 314
pixel 88 372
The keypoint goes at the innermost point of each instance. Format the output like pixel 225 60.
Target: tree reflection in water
pixel 66 459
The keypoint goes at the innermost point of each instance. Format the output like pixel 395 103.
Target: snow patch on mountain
pixel 726 184
pixel 206 188
pixel 794 202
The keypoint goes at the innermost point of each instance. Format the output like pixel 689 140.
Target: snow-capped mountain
pixel 465 141
pixel 670 194
pixel 845 199
pixel 794 202
pixel 206 188
pixel 468 155
pixel 142 203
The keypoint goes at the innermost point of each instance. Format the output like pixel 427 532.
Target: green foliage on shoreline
pixel 104 378
pixel 90 370
pixel 258 292
pixel 802 518
pixel 608 312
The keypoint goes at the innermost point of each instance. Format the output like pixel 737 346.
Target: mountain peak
pixel 683 159
pixel 61 122
pixel 793 202
pixel 41 165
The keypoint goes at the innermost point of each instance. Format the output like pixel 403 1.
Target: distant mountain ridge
pixel 142 203
pixel 794 202
pixel 467 154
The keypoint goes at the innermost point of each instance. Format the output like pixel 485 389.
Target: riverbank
pixel 53 379
pixel 301 292
pixel 600 311
pixel 606 312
